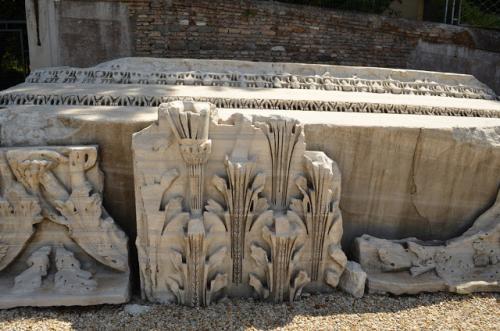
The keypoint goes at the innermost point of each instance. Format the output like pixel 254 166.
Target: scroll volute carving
pixel 61 185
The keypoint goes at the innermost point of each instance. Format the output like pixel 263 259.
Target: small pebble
pixel 135 309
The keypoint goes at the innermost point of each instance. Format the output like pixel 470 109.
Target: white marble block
pixel 58 245
pixel 235 207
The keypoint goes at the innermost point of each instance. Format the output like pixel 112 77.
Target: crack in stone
pixel 413 184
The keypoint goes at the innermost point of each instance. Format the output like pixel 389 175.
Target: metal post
pixel 453 12
pixel 446 12
pixel 459 12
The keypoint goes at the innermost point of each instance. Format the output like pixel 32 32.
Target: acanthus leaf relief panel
pixel 233 207
pixel 58 245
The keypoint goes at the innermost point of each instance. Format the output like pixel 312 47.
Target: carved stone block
pixel 235 207
pixel 465 264
pixel 58 245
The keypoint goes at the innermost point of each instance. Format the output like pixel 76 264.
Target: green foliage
pixel 472 14
pixel 12 10
pixel 12 69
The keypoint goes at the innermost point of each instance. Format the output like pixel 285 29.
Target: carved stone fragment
pixel 280 260
pixel 282 135
pixel 320 210
pixel 52 218
pixel 218 209
pixel 69 276
pixel 31 279
pixel 464 264
pixel 353 280
pixel 241 195
pixel 191 130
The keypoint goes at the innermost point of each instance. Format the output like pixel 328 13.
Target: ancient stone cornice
pixel 324 82
pixel 7 99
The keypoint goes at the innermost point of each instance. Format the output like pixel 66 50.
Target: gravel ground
pixel 336 311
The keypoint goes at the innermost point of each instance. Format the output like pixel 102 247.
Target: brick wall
pixel 273 31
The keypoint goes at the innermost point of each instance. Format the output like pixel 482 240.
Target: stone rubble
pixel 353 279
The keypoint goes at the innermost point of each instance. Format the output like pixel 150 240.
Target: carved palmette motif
pixel 191 131
pixel 320 211
pixel 282 135
pixel 268 222
pixel 241 194
pixel 196 281
pixel 61 185
pixel 280 260
pixel 326 81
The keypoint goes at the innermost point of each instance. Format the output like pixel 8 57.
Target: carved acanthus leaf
pixel 257 285
pixel 282 237
pixel 19 212
pixel 70 277
pixel 99 237
pixel 298 283
pixel 31 278
pixel 282 134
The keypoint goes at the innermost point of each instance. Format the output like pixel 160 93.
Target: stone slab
pixel 391 188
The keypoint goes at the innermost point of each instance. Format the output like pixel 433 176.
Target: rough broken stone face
pixel 58 245
pixel 234 207
pixel 465 264
pixel 353 279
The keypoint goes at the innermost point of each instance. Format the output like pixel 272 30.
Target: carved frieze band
pixel 197 78
pixel 282 104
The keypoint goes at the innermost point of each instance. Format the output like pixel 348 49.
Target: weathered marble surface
pixel 58 245
pixel 465 264
pixel 147 82
pixel 403 175
pixel 235 206
pixel 231 73
pixel 140 95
